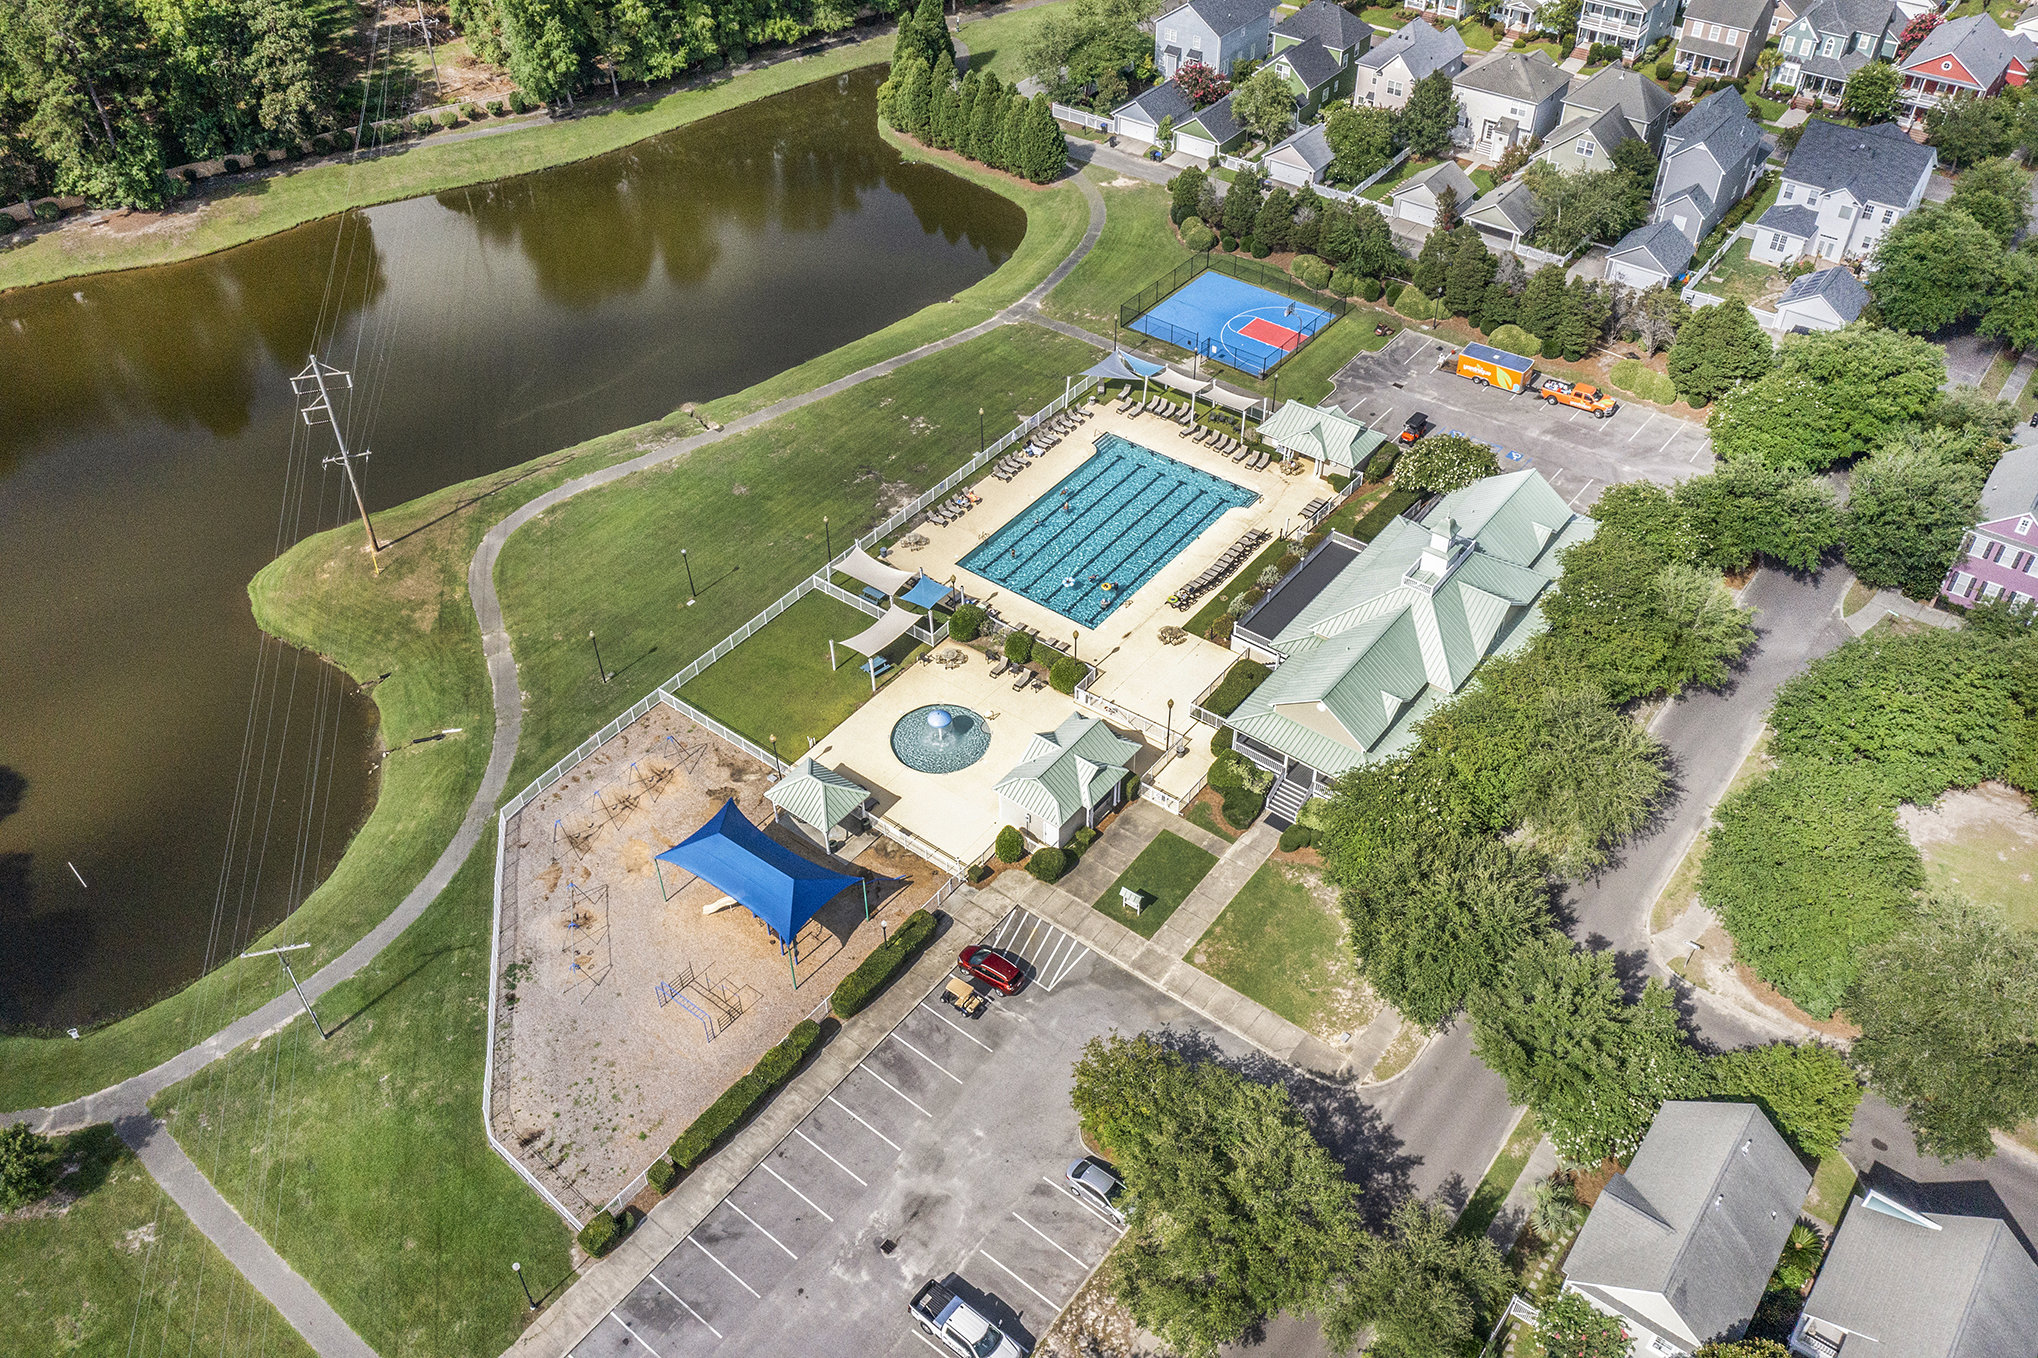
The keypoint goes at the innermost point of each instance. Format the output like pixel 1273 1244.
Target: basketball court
pixel 1232 322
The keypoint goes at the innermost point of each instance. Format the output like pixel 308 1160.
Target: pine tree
pixel 1579 330
pixel 915 94
pixel 965 109
pixel 942 118
pixel 1241 208
pixel 1499 307
pixel 1338 236
pixel 1433 264
pixel 1012 139
pixel 1307 231
pixel 1468 274
pixel 988 117
pixel 1047 150
pixel 1272 222
pixel 1542 305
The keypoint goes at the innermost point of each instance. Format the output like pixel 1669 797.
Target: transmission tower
pixel 311 383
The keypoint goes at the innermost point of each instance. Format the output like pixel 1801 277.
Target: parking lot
pixel 1576 453
pixel 948 1141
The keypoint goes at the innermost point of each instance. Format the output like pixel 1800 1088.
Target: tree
pixel 1907 511
pixel 1043 151
pixel 1652 516
pixel 1750 1348
pixel 913 84
pixel 1241 208
pixel 1654 316
pixel 1915 32
pixel 2012 314
pixel 1554 1210
pixel 1089 42
pixel 1469 272
pixel 1237 1212
pixel 1447 208
pixel 1427 1290
pixel 1634 157
pixel 944 111
pixel 1808 1091
pixel 1832 396
pixel 1265 105
pixel 1542 302
pixel 28 1166
pixel 1361 139
pixel 1967 130
pixel 1185 195
pixel 1935 268
pixel 1274 221
pixel 1749 509
pixel 1432 263
pixel 1587 308
pixel 1717 349
pixel 1996 194
pixel 1426 122
pixel 1640 624
pixel 1871 93
pixel 84 77
pixel 1594 1067
pixel 1969 425
pixel 1201 85
pixel 1571 1326
pixel 1441 463
pixel 1948 1011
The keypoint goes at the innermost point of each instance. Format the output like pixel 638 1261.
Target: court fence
pixel 1253 271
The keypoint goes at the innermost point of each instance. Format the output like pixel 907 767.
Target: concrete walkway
pixel 1135 827
pixel 1513 1213
pixel 1887 603
pixel 1238 862
pixel 2019 378
pixel 125 1104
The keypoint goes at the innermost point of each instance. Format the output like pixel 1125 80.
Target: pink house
pixel 2000 554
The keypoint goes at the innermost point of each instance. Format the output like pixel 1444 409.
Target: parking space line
pixel 1644 424
pixel 1015 1278
pixel 872 1130
pixel 638 1337
pixel 921 1335
pixel 1046 963
pixel 958 1027
pixel 796 1192
pixel 1084 1205
pixel 866 1069
pixel 1049 1239
pixel 1004 926
pixel 925 1057
pixel 1667 442
pixel 683 1302
pixel 724 1267
pixel 831 1159
pixel 1580 493
pixel 1027 946
pixel 1078 955
pixel 730 1203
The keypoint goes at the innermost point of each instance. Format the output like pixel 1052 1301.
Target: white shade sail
pixel 861 565
pixel 883 632
pixel 1195 386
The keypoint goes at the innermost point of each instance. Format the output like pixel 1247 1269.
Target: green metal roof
pixel 1322 431
pixel 1068 770
pixel 816 794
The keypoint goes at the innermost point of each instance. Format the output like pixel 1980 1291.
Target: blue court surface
pixel 1085 546
pixel 1234 323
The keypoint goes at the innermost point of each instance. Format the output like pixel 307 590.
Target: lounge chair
pixel 1259 461
pixel 999 669
pixel 1239 453
pixel 1020 682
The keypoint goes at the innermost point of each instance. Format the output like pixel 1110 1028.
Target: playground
pixel 642 990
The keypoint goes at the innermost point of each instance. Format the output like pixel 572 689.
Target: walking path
pixel 1887 603
pixel 126 1104
pixel 1238 862
pixel 2019 378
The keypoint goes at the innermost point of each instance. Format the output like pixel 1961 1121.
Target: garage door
pixel 1408 210
pixel 1195 146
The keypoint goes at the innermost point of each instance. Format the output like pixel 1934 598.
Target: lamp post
pixel 980 431
pixel 599 669
pixel 1168 741
pixel 1076 645
pixel 828 538
pixel 691 592
pixel 518 1269
pixel 774 752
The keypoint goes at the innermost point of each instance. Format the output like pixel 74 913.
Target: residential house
pixel 1630 25
pixel 1511 98
pixel 2000 556
pixel 1452 10
pixel 1217 33
pixel 1723 37
pixel 1842 191
pixel 1366 640
pixel 1966 56
pixel 1824 299
pixel 1650 256
pixel 1505 216
pixel 1785 15
pixel 1066 779
pixel 1338 444
pixel 1414 199
pixel 1318 47
pixel 1680 1247
pixel 1897 1281
pixel 1201 133
pixel 1386 74
pixel 1831 40
pixel 1208 131
pixel 1314 75
pixel 1711 159
pixel 2027 23
pixel 1301 158
pixel 1599 113
pixel 1587 142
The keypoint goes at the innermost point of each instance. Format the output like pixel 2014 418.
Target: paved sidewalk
pixel 1513 1213
pixel 1139 824
pixel 1238 861
pixel 2019 378
pixel 1887 603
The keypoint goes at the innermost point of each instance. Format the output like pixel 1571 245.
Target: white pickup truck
pixel 957 1326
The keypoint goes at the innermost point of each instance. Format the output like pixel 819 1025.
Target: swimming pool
pixel 1115 520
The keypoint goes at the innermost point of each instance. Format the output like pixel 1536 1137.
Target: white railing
pixel 1096 122
pixel 1691 293
pixel 900 835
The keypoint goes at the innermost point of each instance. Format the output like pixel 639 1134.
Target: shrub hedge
pixel 1376 519
pixel 1238 684
pixel 1640 380
pixel 771 1071
pixel 663 1175
pixel 1196 235
pixel 966 623
pixel 1018 648
pixel 1295 837
pixel 1309 270
pixel 1011 845
pixel 861 986
pixel 1066 673
pixel 599 1236
pixel 1047 864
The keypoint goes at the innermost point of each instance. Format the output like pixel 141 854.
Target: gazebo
pixel 817 796
pixel 778 886
pixel 1335 441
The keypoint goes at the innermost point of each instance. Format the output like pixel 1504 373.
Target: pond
pixel 151 462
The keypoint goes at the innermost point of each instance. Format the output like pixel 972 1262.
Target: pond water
pixel 151 462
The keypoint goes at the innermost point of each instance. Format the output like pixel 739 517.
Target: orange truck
pixel 1491 367
pixel 1582 395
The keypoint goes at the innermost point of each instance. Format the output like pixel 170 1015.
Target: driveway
pixel 1576 453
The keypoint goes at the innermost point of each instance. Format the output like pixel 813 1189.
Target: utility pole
pixel 279 955
pixel 438 86
pixel 312 383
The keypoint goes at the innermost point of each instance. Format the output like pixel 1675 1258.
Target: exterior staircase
pixel 1284 803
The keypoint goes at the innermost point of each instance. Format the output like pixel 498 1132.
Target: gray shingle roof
pixel 1640 100
pixel 1218 120
pixel 1791 219
pixel 1511 202
pixel 2013 486
pixel 1841 17
pixel 1878 164
pixel 1423 49
pixel 1311 144
pixel 1438 178
pixel 1659 243
pixel 1227 16
pixel 1165 100
pixel 1698 1219
pixel 1530 77
pixel 1705 47
pixel 1750 15
pixel 1976 42
pixel 1608 128
pixel 1720 121
pixel 1965 1290
pixel 1332 25
pixel 1312 62
pixel 1839 287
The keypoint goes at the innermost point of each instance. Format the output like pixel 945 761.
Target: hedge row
pixel 1239 682
pixel 861 986
pixel 1638 379
pixel 771 1071
pixel 599 1236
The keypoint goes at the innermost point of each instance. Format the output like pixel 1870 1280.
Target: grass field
pixel 1736 275
pixel 1138 246
pixel 1201 816
pixel 1165 872
pixel 1477 36
pixel 1281 942
pixel 749 512
pixel 261 207
pixel 1832 1185
pixel 1500 1177
pixel 994 43
pixel 362 1159
pixel 108 1262
pixel 778 682
pixel 1991 860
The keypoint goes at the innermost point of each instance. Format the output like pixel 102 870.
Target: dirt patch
pixel 1982 843
pixel 1095 1325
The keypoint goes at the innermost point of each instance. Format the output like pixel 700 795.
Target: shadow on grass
pixel 335 1029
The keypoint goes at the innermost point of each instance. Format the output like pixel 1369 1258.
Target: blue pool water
pixel 1116 519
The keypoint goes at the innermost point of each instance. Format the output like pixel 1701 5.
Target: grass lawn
pixel 1387 17
pixel 1991 860
pixel 362 1159
pixel 994 43
pixel 1478 37
pixel 2005 12
pixel 1482 179
pixel 1244 580
pixel 1282 942
pixel 116 1261
pixel 778 682
pixel 1138 246
pixel 1998 371
pixel 1307 376
pixel 1486 1199
pixel 1768 110
pixel 1165 872
pixel 749 511
pixel 1411 166
pixel 260 207
pixel 1832 1185
pixel 1200 815
pixel 1748 279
